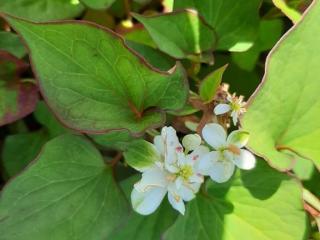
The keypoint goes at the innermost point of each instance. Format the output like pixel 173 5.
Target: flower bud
pixel 191 142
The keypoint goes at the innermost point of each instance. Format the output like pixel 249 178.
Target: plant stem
pixel 311 199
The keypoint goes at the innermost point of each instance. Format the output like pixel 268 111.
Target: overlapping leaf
pixel 68 193
pixel 94 83
pixel 236 22
pixel 285 112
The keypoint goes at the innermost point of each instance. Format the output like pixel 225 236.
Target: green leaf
pixel 98 4
pixel 18 98
pixel 156 58
pixel 94 83
pixel 139 34
pixel 45 117
pixel 67 193
pixel 140 227
pixel 20 149
pixel 42 10
pixel 118 139
pixel 11 43
pixel 141 154
pixel 210 84
pixel 293 14
pixel 284 114
pixel 269 33
pixel 180 34
pixel 258 204
pixel 236 22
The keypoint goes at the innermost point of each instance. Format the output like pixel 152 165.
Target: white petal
pixel 222 171
pixel 172 145
pixel 196 178
pixel 215 135
pixel 153 177
pixel 176 202
pixel 158 142
pixel 186 193
pixel 178 182
pixel 221 108
pixel 147 202
pixel 206 163
pixel 245 160
pixel 238 138
pixel 234 116
pixel 197 154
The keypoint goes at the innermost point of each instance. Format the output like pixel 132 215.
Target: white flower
pixel 174 173
pixel 235 105
pixel 220 164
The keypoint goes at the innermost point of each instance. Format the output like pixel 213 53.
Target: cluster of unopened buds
pixel 181 168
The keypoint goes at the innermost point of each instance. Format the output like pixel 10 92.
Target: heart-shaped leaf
pixel 284 114
pixel 258 204
pixel 94 83
pixel 236 22
pixel 67 193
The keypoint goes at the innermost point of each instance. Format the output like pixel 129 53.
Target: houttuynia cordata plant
pixel 160 119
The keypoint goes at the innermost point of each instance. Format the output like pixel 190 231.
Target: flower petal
pixel 153 177
pixel 222 171
pixel 215 135
pixel 235 116
pixel 197 154
pixel 204 165
pixel 245 160
pixel 172 145
pixel 238 138
pixel 221 108
pixel 176 202
pixel 147 202
pixel 186 193
pixel 159 144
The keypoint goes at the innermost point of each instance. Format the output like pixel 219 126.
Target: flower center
pixel 235 106
pixel 185 172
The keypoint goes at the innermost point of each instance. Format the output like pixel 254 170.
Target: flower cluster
pixel 179 169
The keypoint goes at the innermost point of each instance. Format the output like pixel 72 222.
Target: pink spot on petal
pixel 194 158
pixel 179 149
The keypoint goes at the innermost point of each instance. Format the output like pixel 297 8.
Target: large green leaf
pixel 42 10
pixel 140 227
pixel 261 204
pixel 236 22
pixel 284 114
pixel 67 193
pixel 180 34
pixel 94 83
pixel 98 4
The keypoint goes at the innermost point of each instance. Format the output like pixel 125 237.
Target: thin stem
pixel 311 199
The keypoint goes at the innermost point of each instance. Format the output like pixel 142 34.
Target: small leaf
pixel 17 98
pixel 284 114
pixel 42 10
pixel 236 22
pixel 11 43
pixel 98 4
pixel 180 34
pixel 210 84
pixel 258 204
pixel 94 83
pixel 141 154
pixel 20 149
pixel 67 193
